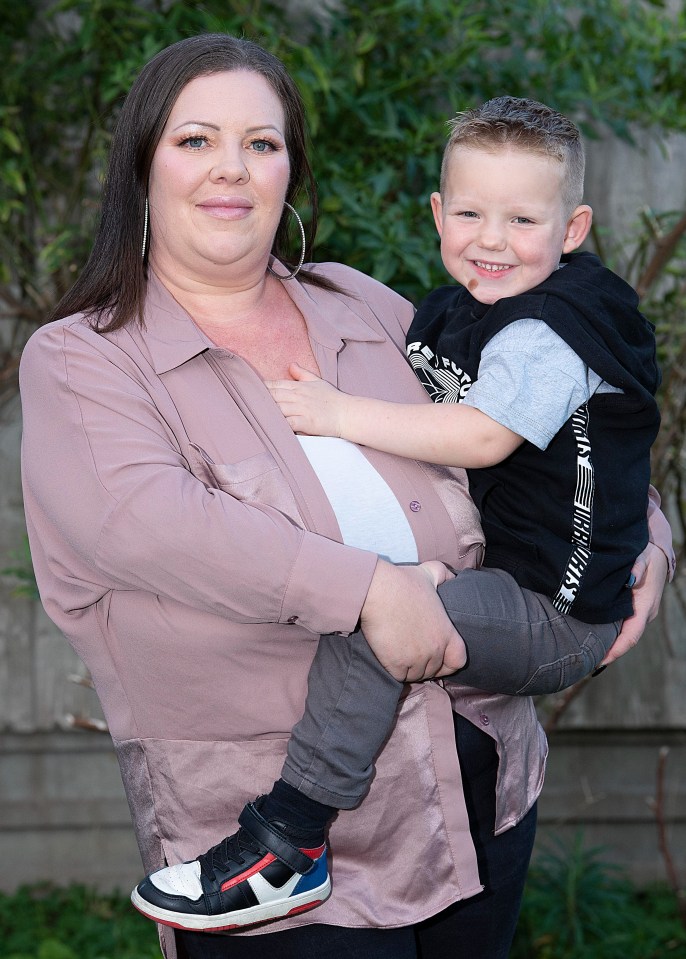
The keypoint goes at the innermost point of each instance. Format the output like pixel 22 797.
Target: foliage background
pixel 379 80
pixel 575 907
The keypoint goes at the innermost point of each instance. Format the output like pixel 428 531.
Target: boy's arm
pixel 449 434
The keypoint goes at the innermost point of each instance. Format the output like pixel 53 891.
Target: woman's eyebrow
pixel 214 126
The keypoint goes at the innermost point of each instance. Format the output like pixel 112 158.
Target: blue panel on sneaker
pixel 239 882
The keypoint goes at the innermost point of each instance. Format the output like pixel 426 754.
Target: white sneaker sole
pixel 264 912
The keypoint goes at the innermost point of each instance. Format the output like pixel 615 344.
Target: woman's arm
pixel 112 503
pixel 651 572
pixel 406 624
pixel 653 569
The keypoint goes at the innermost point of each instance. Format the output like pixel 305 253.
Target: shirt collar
pixel 172 337
pixel 170 334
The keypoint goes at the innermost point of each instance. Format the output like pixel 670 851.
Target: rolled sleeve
pixel 659 530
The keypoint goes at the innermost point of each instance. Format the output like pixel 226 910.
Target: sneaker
pixel 264 871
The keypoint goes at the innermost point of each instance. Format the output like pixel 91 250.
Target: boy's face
pixel 502 220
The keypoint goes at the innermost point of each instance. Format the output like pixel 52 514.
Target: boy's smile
pixel 502 220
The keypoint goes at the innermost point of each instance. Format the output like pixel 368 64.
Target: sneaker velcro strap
pixel 273 839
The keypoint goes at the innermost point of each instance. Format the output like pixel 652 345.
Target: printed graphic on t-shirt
pixel 583 514
pixel 442 379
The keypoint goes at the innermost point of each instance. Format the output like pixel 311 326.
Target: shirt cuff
pixel 328 586
pixel 660 532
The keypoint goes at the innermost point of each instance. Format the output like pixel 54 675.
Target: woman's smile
pixel 226 207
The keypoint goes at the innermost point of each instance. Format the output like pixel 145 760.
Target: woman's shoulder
pixel 379 306
pixel 61 343
pixel 55 331
pixel 357 283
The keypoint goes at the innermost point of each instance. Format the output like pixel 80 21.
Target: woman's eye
pixel 195 143
pixel 261 146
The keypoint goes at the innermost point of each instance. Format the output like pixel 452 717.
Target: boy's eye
pixel 469 214
pixel 523 219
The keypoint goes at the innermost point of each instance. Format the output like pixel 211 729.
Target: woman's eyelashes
pixel 260 145
pixel 193 142
pixel 263 145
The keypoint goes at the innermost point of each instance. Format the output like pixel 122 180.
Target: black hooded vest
pixel 570 520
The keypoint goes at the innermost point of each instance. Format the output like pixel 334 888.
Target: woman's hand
pixel 406 624
pixel 310 404
pixel 650 569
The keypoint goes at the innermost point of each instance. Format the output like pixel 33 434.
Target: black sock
pixel 287 804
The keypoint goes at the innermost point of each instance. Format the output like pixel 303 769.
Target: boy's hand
pixel 310 404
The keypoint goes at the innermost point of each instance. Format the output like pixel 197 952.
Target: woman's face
pixel 218 179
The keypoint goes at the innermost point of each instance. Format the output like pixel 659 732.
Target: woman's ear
pixel 578 226
pixel 437 210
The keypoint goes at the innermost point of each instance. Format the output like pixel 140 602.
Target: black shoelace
pixel 228 850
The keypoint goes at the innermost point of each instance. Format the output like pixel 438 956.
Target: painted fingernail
pixel 598 671
pixel 631 581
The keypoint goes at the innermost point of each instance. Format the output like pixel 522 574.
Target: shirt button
pixel 415 506
pixel 485 721
pixel 292 620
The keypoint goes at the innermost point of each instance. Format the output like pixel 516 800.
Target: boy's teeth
pixel 491 267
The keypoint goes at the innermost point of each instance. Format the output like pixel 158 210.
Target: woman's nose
pixel 229 164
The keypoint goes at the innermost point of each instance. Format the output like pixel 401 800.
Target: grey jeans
pixel 517 643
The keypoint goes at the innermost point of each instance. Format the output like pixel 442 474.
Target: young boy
pixel 543 375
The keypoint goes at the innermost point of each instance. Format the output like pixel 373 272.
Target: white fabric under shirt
pixel 367 511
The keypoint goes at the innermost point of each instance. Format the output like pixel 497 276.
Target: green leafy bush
pixel 49 922
pixel 577 906
pixel 379 81
pixel 20 574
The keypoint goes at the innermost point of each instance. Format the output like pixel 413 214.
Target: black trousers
pixel 481 927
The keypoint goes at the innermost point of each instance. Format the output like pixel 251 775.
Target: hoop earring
pixel 302 252
pixel 145 230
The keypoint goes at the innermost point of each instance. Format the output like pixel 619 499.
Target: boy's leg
pixel 349 711
pixel 517 642
pixel 275 864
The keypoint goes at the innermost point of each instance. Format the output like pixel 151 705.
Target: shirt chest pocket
pixel 256 480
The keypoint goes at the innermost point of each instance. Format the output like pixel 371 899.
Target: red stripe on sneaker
pixel 305 908
pixel 258 867
pixel 314 853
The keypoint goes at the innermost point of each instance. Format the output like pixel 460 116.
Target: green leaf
pixel 10 139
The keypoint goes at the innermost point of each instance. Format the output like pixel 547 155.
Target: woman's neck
pixel 256 320
pixel 222 303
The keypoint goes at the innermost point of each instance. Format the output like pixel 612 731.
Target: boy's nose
pixel 491 237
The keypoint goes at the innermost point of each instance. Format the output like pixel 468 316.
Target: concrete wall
pixel 622 180
pixel 63 812
pixel 64 816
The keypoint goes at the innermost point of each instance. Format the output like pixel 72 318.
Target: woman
pixel 183 541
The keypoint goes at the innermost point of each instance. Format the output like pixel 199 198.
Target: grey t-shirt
pixel 531 381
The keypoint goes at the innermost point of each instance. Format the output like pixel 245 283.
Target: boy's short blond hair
pixel 525 125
